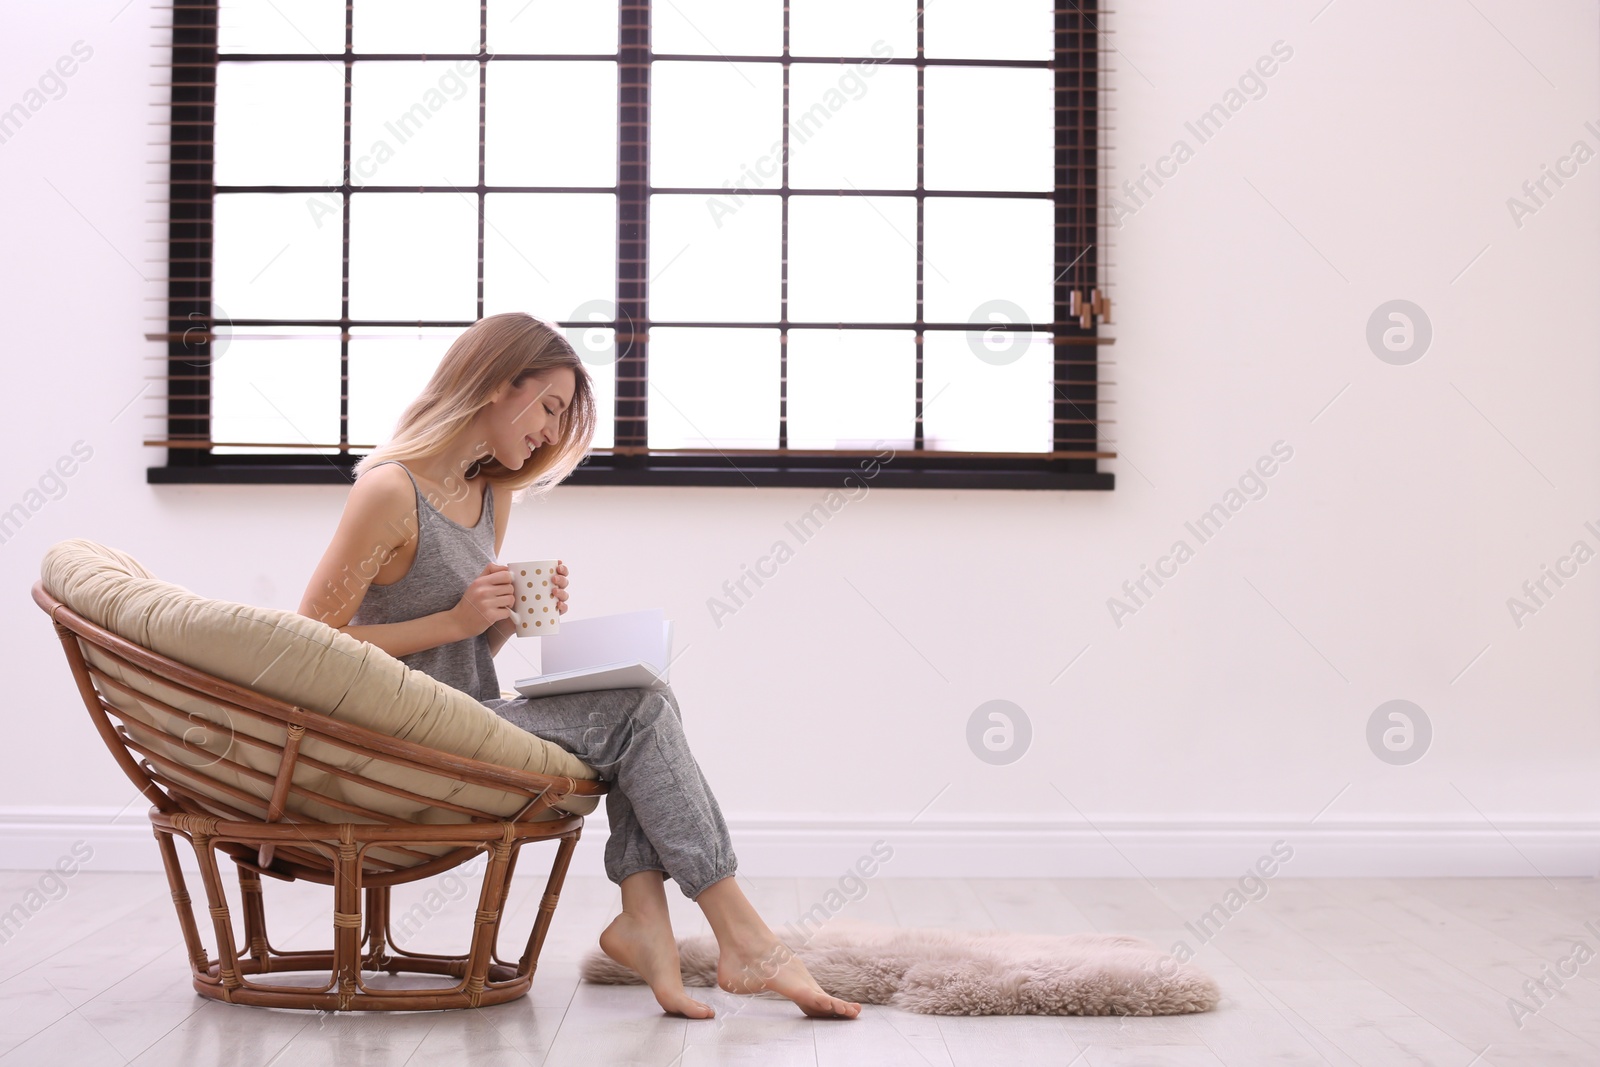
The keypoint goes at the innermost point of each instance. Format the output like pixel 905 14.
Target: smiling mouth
pixel 530 443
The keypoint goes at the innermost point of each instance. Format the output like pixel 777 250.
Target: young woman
pixel 412 569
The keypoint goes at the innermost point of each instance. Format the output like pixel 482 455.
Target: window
pixel 784 238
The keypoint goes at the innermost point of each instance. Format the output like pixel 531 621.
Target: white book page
pixel 628 637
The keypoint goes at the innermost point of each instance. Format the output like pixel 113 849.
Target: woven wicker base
pixel 363 939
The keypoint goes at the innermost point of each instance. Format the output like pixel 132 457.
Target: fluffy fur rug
pixel 969 972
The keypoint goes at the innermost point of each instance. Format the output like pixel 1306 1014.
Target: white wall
pixel 1231 709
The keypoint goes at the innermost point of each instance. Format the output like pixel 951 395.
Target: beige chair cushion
pixel 300 661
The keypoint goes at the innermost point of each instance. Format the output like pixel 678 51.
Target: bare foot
pixel 650 950
pixel 767 963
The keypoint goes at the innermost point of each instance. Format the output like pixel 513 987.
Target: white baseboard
pixel 35 838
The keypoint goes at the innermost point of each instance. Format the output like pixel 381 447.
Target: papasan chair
pixel 301 753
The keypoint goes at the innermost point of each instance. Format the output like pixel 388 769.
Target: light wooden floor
pixel 1344 972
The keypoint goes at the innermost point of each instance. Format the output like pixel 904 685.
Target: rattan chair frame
pixel 334 854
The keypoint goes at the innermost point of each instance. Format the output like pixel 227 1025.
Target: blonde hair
pixel 494 351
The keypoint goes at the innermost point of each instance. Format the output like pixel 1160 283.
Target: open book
pixel 626 651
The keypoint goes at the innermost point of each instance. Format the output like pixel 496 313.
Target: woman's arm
pixel 402 638
pixel 499 633
pixel 378 506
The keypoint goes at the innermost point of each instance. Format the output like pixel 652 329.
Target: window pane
pixel 413 256
pixel 414 123
pixel 712 260
pixel 972 404
pixel 550 123
pixel 852 28
pixel 715 124
pixel 280 123
pixel 713 388
pixel 527 26
pixel 415 26
pixel 718 28
pixel 296 27
pixel 283 389
pixel 994 29
pixel 852 129
pixel 852 259
pixel 984 249
pixel 549 254
pixel 990 129
pixel 597 347
pixel 852 388
pixel 276 255
pixel 389 365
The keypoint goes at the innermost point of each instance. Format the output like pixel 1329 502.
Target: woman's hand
pixel 559 581
pixel 488 599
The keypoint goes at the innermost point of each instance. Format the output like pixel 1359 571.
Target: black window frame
pixel 1075 332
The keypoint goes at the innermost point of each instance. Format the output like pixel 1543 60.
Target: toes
pixel 839 1009
pixel 820 1006
pixel 675 1001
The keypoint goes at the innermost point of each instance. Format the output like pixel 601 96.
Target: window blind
pixel 966 388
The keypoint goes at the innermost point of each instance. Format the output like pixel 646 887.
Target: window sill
pixel 905 471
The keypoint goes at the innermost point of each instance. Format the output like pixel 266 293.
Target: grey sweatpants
pixel 663 816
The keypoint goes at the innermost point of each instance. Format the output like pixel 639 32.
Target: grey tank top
pixel 448 557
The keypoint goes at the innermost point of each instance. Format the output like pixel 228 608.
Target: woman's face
pixel 528 416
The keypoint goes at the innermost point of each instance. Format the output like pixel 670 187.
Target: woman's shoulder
pixel 386 477
pixel 383 491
